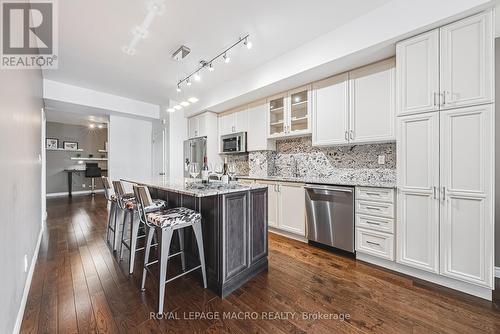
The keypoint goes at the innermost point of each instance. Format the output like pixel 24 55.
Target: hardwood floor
pixel 80 286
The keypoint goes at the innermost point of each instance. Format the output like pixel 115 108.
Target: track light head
pixel 178 89
pixel 227 59
pixel 188 82
pixel 197 76
pixel 248 43
pixel 210 67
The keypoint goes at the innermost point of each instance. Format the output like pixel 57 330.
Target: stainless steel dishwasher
pixel 330 216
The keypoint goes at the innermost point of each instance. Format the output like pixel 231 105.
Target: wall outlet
pixel 83 185
pixel 25 263
pixel 381 159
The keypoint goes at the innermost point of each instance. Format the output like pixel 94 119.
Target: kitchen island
pixel 234 224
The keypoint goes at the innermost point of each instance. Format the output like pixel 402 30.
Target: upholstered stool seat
pixel 172 217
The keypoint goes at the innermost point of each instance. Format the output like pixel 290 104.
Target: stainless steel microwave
pixel 233 143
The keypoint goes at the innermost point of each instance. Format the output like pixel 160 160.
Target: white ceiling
pixel 92 33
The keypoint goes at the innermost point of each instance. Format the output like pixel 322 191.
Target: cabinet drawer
pixel 375 223
pixel 375 194
pixel 374 243
pixel 378 209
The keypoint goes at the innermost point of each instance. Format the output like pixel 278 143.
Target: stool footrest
pixel 183 273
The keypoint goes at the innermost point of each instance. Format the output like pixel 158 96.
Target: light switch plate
pixel 381 159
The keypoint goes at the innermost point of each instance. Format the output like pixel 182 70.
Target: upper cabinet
pixel 418 73
pixel 466 73
pixel 330 111
pixel 446 68
pixel 355 107
pixel 288 113
pixel 372 103
pixel 201 125
pixel 234 121
pixel 257 133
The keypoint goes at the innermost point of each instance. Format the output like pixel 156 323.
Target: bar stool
pixel 112 213
pixel 164 223
pixel 127 204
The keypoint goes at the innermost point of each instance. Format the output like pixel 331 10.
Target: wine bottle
pixel 204 171
pixel 225 176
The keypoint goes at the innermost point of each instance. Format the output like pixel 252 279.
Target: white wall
pixel 58 91
pixel 20 198
pixel 129 148
pixel 177 133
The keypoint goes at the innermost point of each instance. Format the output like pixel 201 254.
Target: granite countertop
pixel 197 189
pixel 384 178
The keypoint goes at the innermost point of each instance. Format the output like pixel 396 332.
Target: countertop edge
pixel 312 181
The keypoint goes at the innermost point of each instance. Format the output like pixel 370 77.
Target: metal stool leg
pixel 199 241
pixel 117 226
pixel 164 246
pixel 149 241
pixel 134 233
pixel 180 233
pixel 124 227
pixel 110 219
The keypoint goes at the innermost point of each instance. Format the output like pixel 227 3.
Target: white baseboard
pixel 497 272
pixel 80 192
pixel 287 234
pixel 27 285
pixel 472 289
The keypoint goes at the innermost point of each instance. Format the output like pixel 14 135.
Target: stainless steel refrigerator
pixel 194 151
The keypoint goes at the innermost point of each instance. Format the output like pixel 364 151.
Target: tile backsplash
pixel 297 155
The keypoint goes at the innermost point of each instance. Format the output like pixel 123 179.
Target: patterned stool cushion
pixel 172 217
pixel 158 204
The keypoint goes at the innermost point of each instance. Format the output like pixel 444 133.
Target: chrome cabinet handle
pixel 434 192
pixel 346 136
pixel 444 98
pixel 372 223
pixel 434 98
pixel 444 193
pixel 373 208
pixel 372 243
pixel 351 134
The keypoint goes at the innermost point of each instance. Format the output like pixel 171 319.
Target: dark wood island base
pixel 234 234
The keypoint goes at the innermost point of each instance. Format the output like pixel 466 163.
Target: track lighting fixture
pixel 209 64
pixel 178 88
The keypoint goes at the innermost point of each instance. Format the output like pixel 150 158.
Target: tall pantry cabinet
pixel 445 158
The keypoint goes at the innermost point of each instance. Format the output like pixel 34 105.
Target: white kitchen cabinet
pixel 233 121
pixel 466 71
pixel 448 67
pixel 292 208
pixel 467 179
pixel 372 103
pixel 287 210
pixel 374 222
pixel 257 132
pixel 357 107
pixel 201 125
pixel 289 113
pixel 330 113
pixel 418 73
pixel 418 198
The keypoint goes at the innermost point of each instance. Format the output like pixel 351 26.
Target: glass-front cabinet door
pixel 299 111
pixel 277 115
